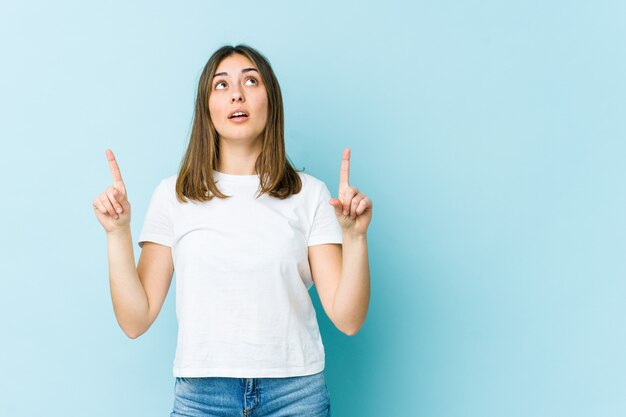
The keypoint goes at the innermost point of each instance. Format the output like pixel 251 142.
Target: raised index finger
pixel 344 174
pixel 115 170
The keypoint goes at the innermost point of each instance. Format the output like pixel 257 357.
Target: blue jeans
pixel 304 396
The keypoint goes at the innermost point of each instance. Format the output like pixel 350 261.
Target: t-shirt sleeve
pixel 325 227
pixel 157 225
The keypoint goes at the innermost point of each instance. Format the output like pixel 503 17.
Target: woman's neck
pixel 238 160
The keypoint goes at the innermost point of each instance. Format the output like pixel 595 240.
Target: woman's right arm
pixel 137 292
pixel 130 302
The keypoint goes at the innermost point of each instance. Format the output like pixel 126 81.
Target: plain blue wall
pixel 490 136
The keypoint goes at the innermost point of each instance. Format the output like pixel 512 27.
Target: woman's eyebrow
pixel 243 71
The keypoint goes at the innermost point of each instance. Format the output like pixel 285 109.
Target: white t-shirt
pixel 242 276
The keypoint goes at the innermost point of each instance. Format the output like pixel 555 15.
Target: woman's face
pixel 237 86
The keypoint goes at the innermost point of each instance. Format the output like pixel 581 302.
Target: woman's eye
pixel 217 86
pixel 252 79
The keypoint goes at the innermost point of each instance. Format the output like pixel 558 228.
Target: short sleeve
pixel 157 225
pixel 325 227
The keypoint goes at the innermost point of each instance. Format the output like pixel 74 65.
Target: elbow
pixel 133 334
pixel 136 330
pixel 348 326
pixel 351 331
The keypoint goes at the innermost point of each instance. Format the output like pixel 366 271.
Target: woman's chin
pixel 240 137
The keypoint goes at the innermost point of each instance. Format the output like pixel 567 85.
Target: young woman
pixel 248 236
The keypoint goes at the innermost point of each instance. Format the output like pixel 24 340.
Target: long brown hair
pixel 277 176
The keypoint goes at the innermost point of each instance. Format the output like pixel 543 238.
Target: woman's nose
pixel 237 96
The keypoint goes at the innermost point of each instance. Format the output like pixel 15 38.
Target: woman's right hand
pixel 112 207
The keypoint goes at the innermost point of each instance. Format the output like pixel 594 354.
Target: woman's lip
pixel 238 119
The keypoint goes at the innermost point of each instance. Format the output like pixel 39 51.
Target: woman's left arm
pixel 341 272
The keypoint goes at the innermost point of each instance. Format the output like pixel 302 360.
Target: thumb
pixel 121 198
pixel 125 204
pixel 337 206
pixel 120 188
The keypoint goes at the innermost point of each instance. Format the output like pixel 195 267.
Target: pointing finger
pixel 344 174
pixel 115 172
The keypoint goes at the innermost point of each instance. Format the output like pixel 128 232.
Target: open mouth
pixel 240 115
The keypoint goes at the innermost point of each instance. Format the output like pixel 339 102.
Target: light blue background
pixel 490 136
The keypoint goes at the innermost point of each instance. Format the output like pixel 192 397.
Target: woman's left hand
pixel 352 208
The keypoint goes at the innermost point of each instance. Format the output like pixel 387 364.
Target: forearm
pixel 353 293
pixel 130 302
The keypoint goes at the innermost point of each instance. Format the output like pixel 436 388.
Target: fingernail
pixel 116 216
pixel 119 209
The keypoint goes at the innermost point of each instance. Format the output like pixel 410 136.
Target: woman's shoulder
pixel 170 181
pixel 166 187
pixel 310 182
